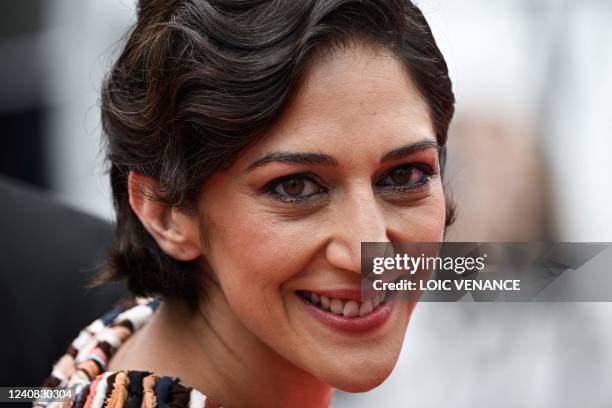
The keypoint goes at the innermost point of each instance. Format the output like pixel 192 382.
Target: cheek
pixel 252 260
pixel 253 252
pixel 421 223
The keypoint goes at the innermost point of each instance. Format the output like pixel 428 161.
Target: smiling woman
pixel 254 146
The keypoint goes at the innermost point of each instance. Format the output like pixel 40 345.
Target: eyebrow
pixel 327 160
pixel 294 158
pixel 410 149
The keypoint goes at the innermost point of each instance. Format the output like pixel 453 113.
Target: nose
pixel 358 217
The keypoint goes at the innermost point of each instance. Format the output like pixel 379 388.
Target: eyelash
pixel 428 173
pixel 271 187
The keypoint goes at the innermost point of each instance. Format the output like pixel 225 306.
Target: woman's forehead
pixel 353 99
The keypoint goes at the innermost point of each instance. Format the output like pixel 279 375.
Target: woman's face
pixel 353 158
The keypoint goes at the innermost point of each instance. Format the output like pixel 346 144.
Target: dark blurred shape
pixel 48 255
pixel 20 17
pixel 22 110
pixel 22 146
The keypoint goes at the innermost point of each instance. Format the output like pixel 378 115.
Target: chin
pixel 364 367
pixel 359 377
pixel 361 383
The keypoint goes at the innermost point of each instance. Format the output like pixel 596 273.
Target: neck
pixel 212 351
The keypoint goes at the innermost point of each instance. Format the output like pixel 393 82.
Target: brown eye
pixel 293 187
pixel 405 177
pixel 296 188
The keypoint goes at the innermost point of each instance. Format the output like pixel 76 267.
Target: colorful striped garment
pixel 82 368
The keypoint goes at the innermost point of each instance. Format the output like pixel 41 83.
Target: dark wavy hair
pixel 199 80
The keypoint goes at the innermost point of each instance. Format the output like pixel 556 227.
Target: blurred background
pixel 530 159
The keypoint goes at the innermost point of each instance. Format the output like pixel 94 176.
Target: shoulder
pixel 135 389
pixel 82 370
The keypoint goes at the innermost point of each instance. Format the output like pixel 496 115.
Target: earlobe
pixel 176 233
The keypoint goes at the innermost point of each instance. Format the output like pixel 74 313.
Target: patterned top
pixel 82 368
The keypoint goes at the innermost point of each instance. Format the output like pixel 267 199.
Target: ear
pixel 176 233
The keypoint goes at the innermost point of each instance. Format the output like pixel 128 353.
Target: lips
pixel 344 310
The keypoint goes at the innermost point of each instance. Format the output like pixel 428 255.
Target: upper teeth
pixel 348 308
